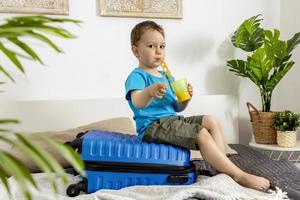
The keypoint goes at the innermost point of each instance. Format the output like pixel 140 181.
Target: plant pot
pixel 286 138
pixel 262 125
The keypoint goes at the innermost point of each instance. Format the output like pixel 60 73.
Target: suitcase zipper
pixel 138 167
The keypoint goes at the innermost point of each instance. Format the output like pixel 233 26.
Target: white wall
pixel 287 93
pixel 288 90
pixel 97 63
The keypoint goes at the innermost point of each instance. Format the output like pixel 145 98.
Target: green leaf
pixel 19 172
pixel 6 73
pixel 11 32
pixel 3 178
pixel 26 49
pixel 43 159
pixel 5 130
pixel 287 121
pixel 275 78
pixel 55 31
pixel 39 19
pixel 293 43
pixel 43 39
pixel 276 34
pixel 275 47
pixel 249 36
pixel 261 65
pixel 59 32
pixel 7 140
pixel 239 67
pixel 35 27
pixel 269 59
pixel 12 56
pixel 9 121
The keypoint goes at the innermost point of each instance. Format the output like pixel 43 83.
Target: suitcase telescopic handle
pixel 177 179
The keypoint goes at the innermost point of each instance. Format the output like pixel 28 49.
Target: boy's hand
pixel 158 90
pixel 190 89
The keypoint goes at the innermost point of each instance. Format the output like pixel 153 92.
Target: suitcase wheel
pixel 74 189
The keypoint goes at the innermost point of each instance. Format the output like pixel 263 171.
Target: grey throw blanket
pixel 282 174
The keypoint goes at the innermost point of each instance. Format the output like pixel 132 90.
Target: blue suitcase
pixel 115 160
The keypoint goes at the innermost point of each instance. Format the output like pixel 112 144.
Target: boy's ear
pixel 135 50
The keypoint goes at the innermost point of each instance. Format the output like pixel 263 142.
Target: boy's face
pixel 150 50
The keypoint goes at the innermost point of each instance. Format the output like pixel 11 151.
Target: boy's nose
pixel 158 51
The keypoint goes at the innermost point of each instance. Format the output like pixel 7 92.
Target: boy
pixel 155 106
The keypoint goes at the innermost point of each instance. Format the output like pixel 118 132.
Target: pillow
pixel 196 155
pixel 119 124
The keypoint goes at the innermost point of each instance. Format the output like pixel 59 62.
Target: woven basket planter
pixel 286 138
pixel 262 125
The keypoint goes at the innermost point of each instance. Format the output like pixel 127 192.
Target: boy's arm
pixel 142 98
pixel 180 106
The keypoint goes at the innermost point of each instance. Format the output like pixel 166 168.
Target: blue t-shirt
pixel 139 79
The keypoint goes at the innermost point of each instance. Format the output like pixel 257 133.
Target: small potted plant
pixel 286 125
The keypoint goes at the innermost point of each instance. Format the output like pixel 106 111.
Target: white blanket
pixel 220 187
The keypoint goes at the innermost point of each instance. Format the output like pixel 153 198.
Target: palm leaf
pixel 59 32
pixel 44 160
pixel 43 39
pixel 12 56
pixel 6 73
pixel 32 27
pixel 24 20
pixel 21 174
pixel 25 48
pixel 68 153
pixel 3 179
pixel 9 121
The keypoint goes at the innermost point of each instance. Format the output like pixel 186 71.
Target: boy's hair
pixel 140 29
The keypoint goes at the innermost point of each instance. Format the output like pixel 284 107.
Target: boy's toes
pixel 266 186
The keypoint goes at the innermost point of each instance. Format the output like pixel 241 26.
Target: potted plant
pixel 12 38
pixel 268 60
pixel 286 125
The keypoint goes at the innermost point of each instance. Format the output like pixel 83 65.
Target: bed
pixel 55 115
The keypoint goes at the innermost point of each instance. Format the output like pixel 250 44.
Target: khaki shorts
pixel 177 130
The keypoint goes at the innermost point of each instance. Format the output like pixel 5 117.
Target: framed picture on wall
pixel 141 8
pixel 54 7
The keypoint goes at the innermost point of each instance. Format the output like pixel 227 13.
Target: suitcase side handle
pixel 177 179
pixel 75 144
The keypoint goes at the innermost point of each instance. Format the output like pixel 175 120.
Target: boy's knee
pixel 203 135
pixel 212 121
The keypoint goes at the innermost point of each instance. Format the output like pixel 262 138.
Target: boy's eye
pixel 162 46
pixel 151 45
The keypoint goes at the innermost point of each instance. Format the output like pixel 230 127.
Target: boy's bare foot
pixel 252 181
